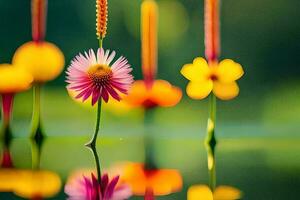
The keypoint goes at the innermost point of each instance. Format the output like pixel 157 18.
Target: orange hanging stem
pixel 101 18
pixel 212 34
pixel 38 19
pixel 149 18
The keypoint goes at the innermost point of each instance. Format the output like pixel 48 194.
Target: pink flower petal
pixel 110 188
pixel 80 79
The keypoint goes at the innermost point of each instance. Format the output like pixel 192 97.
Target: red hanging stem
pixel 7 104
pixel 212 33
pixel 38 19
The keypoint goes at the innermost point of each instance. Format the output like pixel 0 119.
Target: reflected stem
pixel 36 114
pixel 35 155
pixel 211 142
pixel 97 160
pixel 93 142
pixel 148 138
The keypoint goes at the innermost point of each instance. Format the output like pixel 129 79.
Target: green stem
pixel 36 123
pixel 94 138
pixel 211 142
pixel 100 42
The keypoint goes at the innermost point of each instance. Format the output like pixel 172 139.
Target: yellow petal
pixel 199 192
pixel 44 61
pixel 199 90
pixel 13 79
pixel 226 91
pixel 198 71
pixel 227 193
pixel 229 71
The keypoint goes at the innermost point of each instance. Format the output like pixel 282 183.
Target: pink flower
pixel 90 189
pixel 93 75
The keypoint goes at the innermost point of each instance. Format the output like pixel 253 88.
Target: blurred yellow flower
pixel 13 80
pixel 37 184
pixel 203 192
pixel 30 184
pixel 219 78
pixel 8 179
pixel 43 60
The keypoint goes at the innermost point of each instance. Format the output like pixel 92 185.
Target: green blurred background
pixel 258 131
pixel 261 35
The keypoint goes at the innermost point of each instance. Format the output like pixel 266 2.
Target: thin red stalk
pixel 38 19
pixel 212 34
pixel 6 159
pixel 7 104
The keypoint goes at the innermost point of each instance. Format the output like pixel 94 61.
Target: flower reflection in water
pixel 30 184
pixel 27 183
pixel 37 184
pixel 89 188
pixel 157 181
pixel 203 192
pixel 7 173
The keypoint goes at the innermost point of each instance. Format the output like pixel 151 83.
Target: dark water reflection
pixel 262 170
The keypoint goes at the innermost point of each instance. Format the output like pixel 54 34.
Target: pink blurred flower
pixel 90 189
pixel 93 75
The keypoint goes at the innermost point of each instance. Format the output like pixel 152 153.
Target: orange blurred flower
pixel 149 93
pixel 142 96
pixel 160 181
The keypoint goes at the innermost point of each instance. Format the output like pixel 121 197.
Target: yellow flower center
pixel 213 74
pixel 100 74
pixel 213 77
